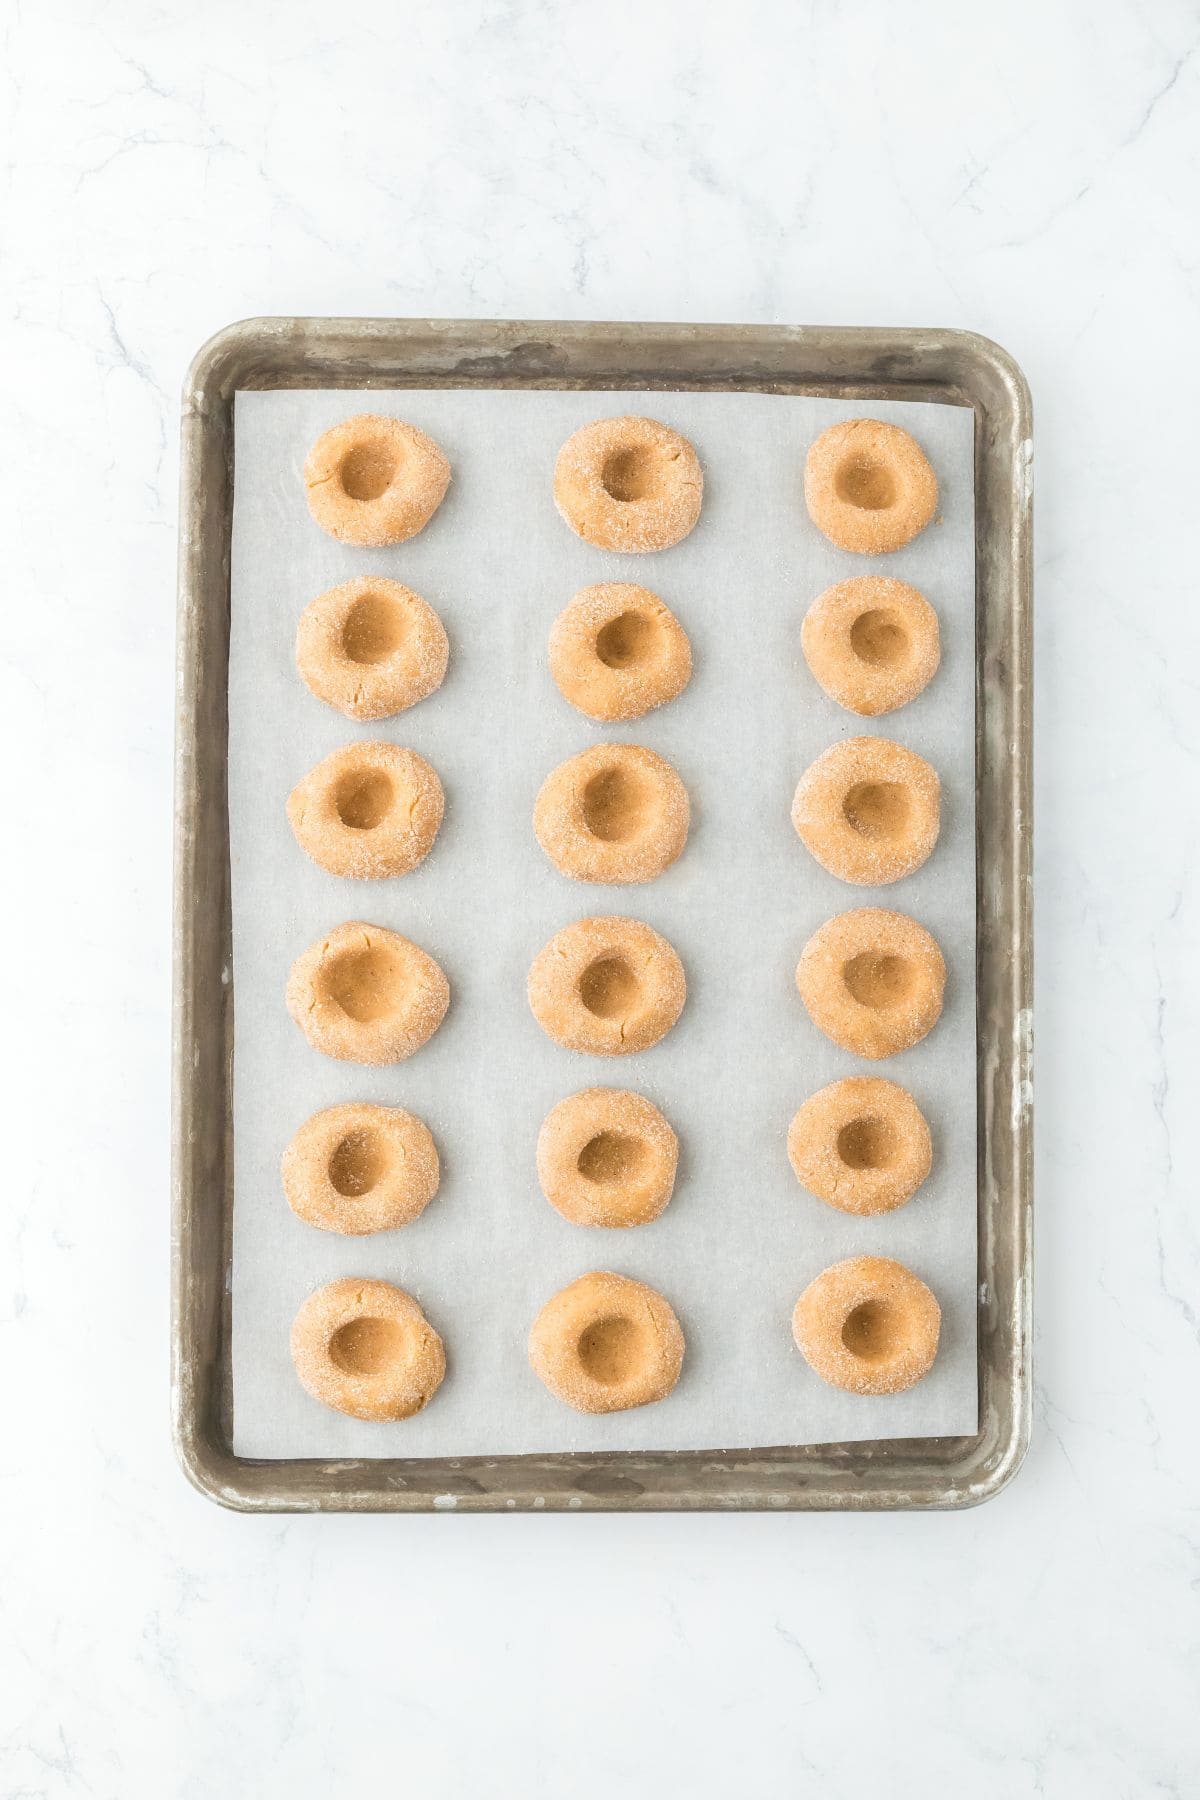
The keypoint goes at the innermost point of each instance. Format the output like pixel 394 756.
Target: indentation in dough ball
pixel 877 809
pixel 637 472
pixel 367 1346
pixel 868 1143
pixel 363 798
pixel 608 987
pixel 870 1331
pixel 614 805
pixel 358 1164
pixel 368 470
pixel 862 482
pixel 367 984
pixel 610 1350
pixel 878 981
pixel 628 639
pixel 612 1156
pixel 877 637
pixel 375 629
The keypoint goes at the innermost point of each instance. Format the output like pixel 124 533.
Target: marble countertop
pixel 1031 175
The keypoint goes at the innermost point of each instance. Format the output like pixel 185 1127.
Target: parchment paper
pixel 741 1238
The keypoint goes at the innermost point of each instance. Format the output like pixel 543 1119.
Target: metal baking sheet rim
pixel 857 363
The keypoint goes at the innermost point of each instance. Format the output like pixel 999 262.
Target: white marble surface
pixel 1034 178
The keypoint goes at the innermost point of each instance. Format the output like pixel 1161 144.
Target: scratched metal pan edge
pixel 855 363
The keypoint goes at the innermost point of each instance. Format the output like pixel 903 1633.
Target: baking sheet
pixel 740 1238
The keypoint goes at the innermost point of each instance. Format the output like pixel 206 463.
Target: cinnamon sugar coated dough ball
pixel 616 813
pixel 872 981
pixel 868 810
pixel 368 811
pixel 868 1325
pixel 607 986
pixel 606 1343
pixel 628 484
pixel 607 1157
pixel 873 643
pixel 366 1348
pixel 868 486
pixel 364 994
pixel 861 1145
pixel 357 1169
pixel 617 651
pixel 375 480
pixel 371 647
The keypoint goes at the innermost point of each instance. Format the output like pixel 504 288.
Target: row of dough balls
pixel 606 1343
pixel 371 648
pixel 872 980
pixel 606 1157
pixel 627 484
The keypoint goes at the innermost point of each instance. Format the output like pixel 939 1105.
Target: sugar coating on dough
pixel 868 486
pixel 868 1325
pixel 629 484
pixel 607 1156
pixel 368 811
pixel 366 1348
pixel 872 642
pixel 375 480
pixel 861 1145
pixel 873 981
pixel 607 986
pixel 606 1343
pixel 617 651
pixel 365 994
pixel 371 648
pixel 356 1169
pixel 869 810
pixel 615 813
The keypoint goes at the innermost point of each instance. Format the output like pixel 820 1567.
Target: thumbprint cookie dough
pixel 868 810
pixel 861 1145
pixel 606 1343
pixel 868 486
pixel 873 643
pixel 375 480
pixel 366 1348
pixel 607 1157
pixel 364 994
pixel 616 813
pixel 617 651
pixel 357 1169
pixel 872 981
pixel 607 987
pixel 868 1325
pixel 371 648
pixel 368 811
pixel 628 484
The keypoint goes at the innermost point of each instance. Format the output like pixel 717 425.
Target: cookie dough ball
pixel 371 648
pixel 358 1169
pixel 617 651
pixel 868 1325
pixel 872 643
pixel 616 813
pixel 869 810
pixel 368 811
pixel 869 486
pixel 607 1157
pixel 607 1343
pixel 366 1348
pixel 861 1145
pixel 364 994
pixel 872 981
pixel 628 484
pixel 607 987
pixel 375 480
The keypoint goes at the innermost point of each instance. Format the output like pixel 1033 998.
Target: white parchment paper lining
pixel 740 1238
